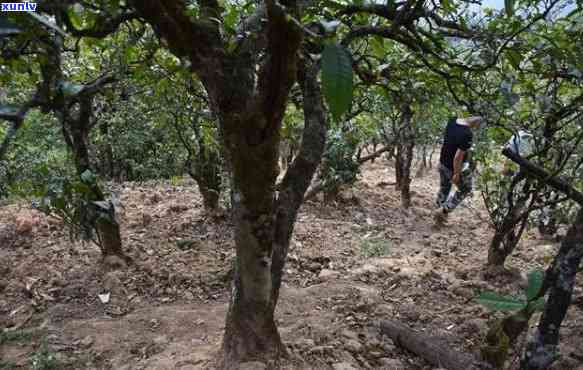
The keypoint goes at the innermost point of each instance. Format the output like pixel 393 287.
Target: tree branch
pixel 301 171
pixel 16 116
pixel 103 26
pixel 278 73
pixel 200 40
pixel 541 174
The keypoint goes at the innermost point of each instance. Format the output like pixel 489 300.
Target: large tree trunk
pixel 559 281
pixel 250 330
pixel 264 226
pixel 248 90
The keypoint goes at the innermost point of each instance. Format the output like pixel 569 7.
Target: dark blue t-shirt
pixel 455 137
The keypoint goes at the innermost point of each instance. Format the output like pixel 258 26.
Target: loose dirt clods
pixel 351 264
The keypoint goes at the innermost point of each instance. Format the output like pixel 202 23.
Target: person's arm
pixel 458 161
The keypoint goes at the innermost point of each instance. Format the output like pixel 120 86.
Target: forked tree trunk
pixel 248 90
pixel 510 230
pixel 504 242
pixel 263 228
pixel 203 165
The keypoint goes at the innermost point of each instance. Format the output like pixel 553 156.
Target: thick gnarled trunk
pixel 559 282
pixel 248 90
pixel 250 330
pixel 264 225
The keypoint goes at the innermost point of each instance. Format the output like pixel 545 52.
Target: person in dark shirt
pixel 455 164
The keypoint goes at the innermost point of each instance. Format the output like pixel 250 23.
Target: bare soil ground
pixel 352 263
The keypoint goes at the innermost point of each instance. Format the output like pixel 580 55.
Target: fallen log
pixel 374 155
pixel 431 349
pixel 313 191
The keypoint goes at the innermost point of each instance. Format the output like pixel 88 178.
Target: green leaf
pixel 497 302
pixel 538 305
pixel 88 177
pixel 337 78
pixel 514 58
pixel 59 203
pixel 81 188
pixel 535 282
pixel 509 7
pixel 378 46
pixel 185 244
pixel 74 16
pixel 447 5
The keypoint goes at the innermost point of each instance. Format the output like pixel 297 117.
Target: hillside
pixel 352 263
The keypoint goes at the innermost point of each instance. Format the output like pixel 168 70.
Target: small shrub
pixel 5 365
pixel 339 164
pixel 8 336
pixel 376 247
pixel 73 200
pixel 176 180
pixel 44 359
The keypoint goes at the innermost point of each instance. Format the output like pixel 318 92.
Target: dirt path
pixel 351 264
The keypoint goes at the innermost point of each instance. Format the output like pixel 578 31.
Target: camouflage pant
pixel 463 191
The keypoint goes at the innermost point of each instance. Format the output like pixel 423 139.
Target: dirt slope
pixel 351 264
